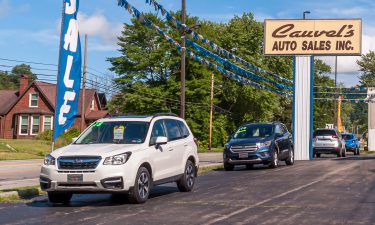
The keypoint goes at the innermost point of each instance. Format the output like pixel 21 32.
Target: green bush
pixel 45 136
pixel 64 139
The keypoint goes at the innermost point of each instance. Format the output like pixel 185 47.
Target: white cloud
pixel 5 7
pixel 99 28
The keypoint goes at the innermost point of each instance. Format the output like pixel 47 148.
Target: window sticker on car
pixel 98 124
pixel 118 132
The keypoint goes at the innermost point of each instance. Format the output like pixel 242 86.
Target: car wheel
pixel 318 155
pixel 358 151
pixel 228 167
pixel 344 152
pixel 249 166
pixel 275 160
pixel 141 190
pixel 290 160
pixel 56 197
pixel 187 181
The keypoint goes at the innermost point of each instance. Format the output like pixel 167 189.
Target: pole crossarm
pixel 221 51
pixel 143 20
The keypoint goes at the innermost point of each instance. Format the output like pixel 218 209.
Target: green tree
pixel 367 67
pixel 11 80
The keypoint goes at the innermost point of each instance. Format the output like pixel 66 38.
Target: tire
pixel 228 167
pixel 344 153
pixel 187 181
pixel 142 187
pixel 249 166
pixel 290 160
pixel 56 197
pixel 275 160
pixel 318 155
pixel 358 151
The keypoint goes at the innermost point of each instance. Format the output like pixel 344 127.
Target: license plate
pixel 75 177
pixel 243 155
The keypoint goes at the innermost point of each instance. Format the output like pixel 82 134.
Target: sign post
pixel 304 39
pixel 371 118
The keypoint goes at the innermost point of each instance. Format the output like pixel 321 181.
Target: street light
pixel 304 14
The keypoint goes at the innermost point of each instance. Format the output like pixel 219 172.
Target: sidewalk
pixel 25 173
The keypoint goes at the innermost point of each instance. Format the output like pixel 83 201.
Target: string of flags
pixel 221 51
pixel 234 67
pixel 344 100
pixel 337 93
pixel 342 88
pixel 143 20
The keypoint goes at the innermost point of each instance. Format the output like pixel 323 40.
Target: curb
pixel 22 194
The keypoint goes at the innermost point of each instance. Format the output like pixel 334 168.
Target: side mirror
pixel 74 139
pixel 161 140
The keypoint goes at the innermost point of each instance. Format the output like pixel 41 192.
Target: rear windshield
pixel 348 136
pixel 324 133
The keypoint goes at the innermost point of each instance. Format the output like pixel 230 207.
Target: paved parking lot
pixel 324 191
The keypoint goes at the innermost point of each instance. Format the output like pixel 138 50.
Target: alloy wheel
pixel 143 185
pixel 190 175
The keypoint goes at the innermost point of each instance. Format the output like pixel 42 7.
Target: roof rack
pixel 164 114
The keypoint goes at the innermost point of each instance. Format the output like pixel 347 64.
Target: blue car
pixel 352 143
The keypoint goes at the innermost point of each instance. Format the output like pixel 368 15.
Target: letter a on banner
pixel 69 75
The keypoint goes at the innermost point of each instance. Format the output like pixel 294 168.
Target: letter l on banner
pixel 69 71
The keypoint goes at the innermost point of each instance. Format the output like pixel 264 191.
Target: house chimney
pixel 24 82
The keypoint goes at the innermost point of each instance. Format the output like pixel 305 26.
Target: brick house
pixel 28 111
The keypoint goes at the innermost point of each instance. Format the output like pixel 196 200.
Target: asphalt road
pixel 325 191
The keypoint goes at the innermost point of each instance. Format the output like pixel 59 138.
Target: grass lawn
pixel 23 149
pixel 205 150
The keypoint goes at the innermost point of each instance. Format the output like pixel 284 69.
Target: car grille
pixel 78 162
pixel 244 148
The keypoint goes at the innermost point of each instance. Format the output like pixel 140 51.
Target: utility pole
pixel 211 112
pixel 335 105
pixel 84 86
pixel 183 61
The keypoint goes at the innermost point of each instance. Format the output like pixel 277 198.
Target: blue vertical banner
pixel 69 75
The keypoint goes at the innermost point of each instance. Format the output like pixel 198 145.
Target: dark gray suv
pixel 259 143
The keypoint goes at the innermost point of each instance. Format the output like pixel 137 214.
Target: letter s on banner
pixel 69 75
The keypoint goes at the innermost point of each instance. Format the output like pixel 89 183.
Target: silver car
pixel 328 141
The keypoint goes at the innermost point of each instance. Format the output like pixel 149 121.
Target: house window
pixel 34 100
pixel 35 124
pixel 92 105
pixel 24 125
pixel 47 123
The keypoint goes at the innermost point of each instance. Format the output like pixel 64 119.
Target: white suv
pixel 123 154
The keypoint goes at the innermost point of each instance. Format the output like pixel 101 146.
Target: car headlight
pixel 117 159
pixel 264 144
pixel 49 160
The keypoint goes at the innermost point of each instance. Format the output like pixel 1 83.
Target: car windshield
pixel 254 131
pixel 114 132
pixel 348 136
pixel 324 133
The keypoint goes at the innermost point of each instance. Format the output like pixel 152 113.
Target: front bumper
pixel 255 157
pixel 326 150
pixel 102 179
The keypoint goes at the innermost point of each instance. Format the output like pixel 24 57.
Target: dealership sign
pixel 313 37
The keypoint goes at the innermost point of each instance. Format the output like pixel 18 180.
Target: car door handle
pixel 186 144
pixel 170 149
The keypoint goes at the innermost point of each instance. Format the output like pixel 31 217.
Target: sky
pixel 29 30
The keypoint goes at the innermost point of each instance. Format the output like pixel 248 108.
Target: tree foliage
pixel 11 80
pixel 367 67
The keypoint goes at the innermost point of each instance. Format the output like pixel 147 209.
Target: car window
pixel 254 131
pixel 173 130
pixel 157 131
pixel 348 136
pixel 279 130
pixel 325 133
pixel 184 129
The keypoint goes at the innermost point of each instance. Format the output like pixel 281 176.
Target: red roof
pixel 7 100
pixel 95 115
